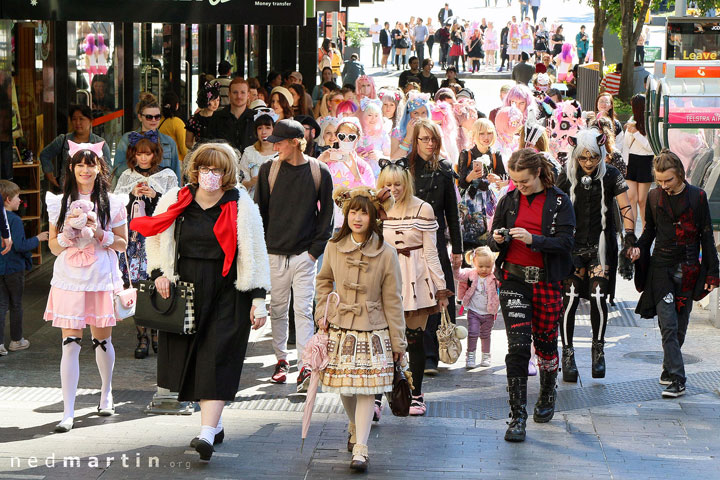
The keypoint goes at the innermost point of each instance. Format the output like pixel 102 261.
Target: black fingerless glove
pixel 630 241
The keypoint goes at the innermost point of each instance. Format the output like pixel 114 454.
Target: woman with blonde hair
pixel 221 251
pixel 478 168
pixel 412 229
pixel 434 183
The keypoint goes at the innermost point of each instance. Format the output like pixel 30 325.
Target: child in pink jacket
pixel 478 290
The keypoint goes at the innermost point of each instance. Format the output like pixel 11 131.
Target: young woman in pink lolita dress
pixel 375 141
pixel 86 272
pixel 346 166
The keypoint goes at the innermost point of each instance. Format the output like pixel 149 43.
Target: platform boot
pixel 545 406
pixel 517 390
pixel 598 359
pixel 569 368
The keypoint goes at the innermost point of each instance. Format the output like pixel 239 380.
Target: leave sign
pixel 247 12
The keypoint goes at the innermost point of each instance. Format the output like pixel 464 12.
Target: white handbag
pixel 125 301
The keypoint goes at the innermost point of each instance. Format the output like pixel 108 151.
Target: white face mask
pixel 346 146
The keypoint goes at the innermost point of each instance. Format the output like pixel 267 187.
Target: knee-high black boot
pixel 545 406
pixel 404 57
pixel 416 350
pixel 397 61
pixel 517 390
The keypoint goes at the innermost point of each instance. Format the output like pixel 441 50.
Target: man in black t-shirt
pixel 413 72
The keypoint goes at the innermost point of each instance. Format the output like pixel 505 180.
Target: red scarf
pixel 225 228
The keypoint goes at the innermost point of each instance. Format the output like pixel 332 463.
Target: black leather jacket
pixel 558 227
pixel 437 187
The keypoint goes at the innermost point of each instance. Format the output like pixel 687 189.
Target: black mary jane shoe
pixel 219 437
pixel 154 341
pixel 205 450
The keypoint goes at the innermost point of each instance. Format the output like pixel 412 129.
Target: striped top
pixel 611 83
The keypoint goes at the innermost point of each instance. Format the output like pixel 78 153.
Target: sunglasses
pixel 152 117
pixel 350 136
pixel 337 100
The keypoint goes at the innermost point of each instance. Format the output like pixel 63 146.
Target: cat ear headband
pixel 402 163
pixel 96 148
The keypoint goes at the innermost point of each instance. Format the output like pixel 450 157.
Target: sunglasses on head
pixel 350 136
pixel 152 117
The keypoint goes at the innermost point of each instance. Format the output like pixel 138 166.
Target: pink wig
pixel 89 44
pixel 346 108
pixel 566 53
pixel 442 114
pixel 508 121
pixel 464 109
pixel 367 106
pixel 520 93
pixel 102 48
pixel 373 93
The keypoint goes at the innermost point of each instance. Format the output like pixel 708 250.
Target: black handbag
pixel 400 397
pixel 175 314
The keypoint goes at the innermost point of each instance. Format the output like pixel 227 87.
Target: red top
pixel 530 218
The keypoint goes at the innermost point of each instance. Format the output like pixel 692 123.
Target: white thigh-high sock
pixel 349 402
pixel 70 374
pixel 363 417
pixel 105 359
pixel 207 433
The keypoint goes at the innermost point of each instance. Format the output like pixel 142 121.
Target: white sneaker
pixel 470 360
pixel 21 344
pixel 485 362
pixel 3 350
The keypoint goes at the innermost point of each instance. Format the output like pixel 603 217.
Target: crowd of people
pixel 378 209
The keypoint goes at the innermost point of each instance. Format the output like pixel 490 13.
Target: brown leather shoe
pixel 360 460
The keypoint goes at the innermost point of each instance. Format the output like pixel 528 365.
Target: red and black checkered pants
pixel 532 313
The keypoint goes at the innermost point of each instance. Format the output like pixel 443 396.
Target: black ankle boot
pixel 545 406
pixel 598 359
pixel 141 351
pixel 517 390
pixel 569 369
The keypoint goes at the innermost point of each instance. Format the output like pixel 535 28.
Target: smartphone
pixel 336 155
pixel 477 164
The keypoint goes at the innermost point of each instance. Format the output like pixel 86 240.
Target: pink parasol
pixel 315 357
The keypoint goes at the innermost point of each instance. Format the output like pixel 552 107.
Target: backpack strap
pixel 272 176
pixel 314 170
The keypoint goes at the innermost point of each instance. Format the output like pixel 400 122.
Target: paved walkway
pixel 614 428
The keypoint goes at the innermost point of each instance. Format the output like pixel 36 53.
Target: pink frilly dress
pixel 342 174
pixel 86 275
pixel 491 42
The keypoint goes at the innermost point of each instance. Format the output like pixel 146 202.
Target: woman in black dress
pixel 222 252
pixel 209 101
pixel 435 184
pixel 557 41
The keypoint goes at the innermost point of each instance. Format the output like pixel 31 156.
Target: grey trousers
pixel 673 322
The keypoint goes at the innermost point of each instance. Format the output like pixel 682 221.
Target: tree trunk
pixel 601 21
pixel 630 33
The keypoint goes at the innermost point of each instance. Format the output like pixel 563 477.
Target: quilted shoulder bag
pixel 175 314
pixel 450 346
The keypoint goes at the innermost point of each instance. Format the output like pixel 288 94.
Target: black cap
pixel 310 122
pixel 286 129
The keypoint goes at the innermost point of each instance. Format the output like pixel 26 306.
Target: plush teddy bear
pixel 84 211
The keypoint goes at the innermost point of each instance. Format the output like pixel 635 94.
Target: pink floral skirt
pixel 70 309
